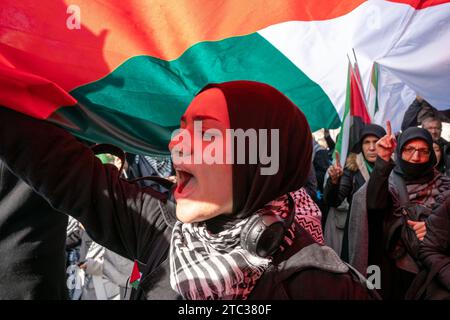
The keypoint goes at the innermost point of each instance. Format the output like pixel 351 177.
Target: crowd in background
pixel 387 206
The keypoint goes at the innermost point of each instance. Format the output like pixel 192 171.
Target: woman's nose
pixel 173 141
pixel 180 143
pixel 416 156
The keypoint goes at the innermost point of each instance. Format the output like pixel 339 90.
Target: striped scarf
pixel 215 266
pixel 430 194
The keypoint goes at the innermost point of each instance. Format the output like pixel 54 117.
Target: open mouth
pixel 183 178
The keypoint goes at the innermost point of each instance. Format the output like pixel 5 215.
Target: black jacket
pixel 321 162
pixel 349 183
pixel 32 242
pixel 435 248
pixel 445 148
pixel 334 194
pixel 383 241
pixel 379 205
pixel 134 222
pixel 420 110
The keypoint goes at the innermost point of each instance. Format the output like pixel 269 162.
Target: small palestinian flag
pixel 355 115
pixel 135 278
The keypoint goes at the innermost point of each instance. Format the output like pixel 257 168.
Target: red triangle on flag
pixel 358 106
pixel 135 275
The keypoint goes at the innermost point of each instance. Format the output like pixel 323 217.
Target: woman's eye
pixel 208 135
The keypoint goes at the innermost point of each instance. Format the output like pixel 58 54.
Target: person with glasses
pixel 398 190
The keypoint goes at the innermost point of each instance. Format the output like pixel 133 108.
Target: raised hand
pixel 386 145
pixel 335 171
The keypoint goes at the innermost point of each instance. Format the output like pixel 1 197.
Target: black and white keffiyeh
pixel 212 266
pixel 215 266
pixel 161 165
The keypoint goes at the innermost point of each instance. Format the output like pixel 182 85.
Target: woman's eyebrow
pixel 204 117
pixel 199 117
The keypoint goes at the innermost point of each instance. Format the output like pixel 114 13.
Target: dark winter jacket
pixel 420 110
pixel 445 162
pixel 321 162
pixel 435 248
pixel 32 242
pixel 136 222
pixel 384 232
pixel 350 182
pixel 354 177
pixel 311 184
pixel 395 282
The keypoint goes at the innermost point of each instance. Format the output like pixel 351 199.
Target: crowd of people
pixel 226 231
pixel 400 181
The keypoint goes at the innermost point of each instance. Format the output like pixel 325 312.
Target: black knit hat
pixel 369 130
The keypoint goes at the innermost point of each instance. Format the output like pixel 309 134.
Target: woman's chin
pixel 371 159
pixel 189 211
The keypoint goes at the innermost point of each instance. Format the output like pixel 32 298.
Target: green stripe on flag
pixel 374 80
pixel 145 97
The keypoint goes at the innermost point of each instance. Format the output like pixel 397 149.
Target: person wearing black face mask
pixel 409 181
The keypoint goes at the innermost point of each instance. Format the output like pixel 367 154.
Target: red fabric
pixel 358 104
pixel 421 4
pixel 31 94
pixel 135 274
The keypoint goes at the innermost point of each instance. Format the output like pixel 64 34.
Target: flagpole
pixel 358 77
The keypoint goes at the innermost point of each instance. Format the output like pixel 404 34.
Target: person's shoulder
pixel 442 142
pixel 316 283
pixel 154 201
pixel 317 272
pixel 444 209
pixel 351 163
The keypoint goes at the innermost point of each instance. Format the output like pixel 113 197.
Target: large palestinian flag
pixel 124 71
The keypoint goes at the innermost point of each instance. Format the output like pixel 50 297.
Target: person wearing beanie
pixel 342 184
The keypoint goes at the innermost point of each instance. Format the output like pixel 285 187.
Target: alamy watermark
pixel 73 21
pixel 229 149
pixel 373 277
